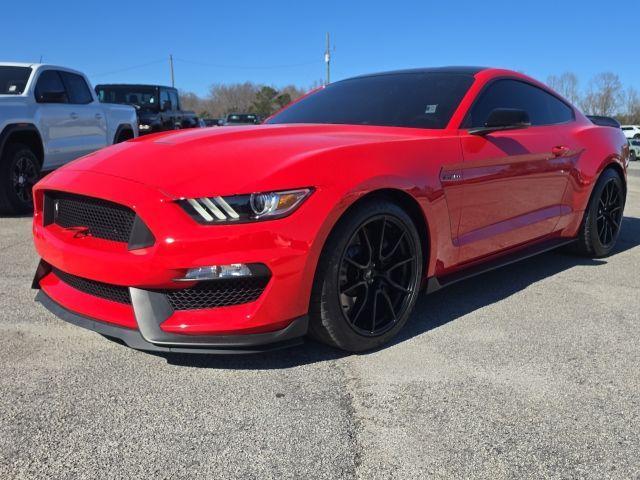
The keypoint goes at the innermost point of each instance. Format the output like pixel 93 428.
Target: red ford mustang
pixel 327 219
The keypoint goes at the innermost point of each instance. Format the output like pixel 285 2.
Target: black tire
pixel 345 297
pixel 19 171
pixel 123 136
pixel 603 217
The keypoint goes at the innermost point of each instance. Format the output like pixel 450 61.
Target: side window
pixel 173 95
pixel 542 107
pixel 164 98
pixel 50 88
pixel 77 88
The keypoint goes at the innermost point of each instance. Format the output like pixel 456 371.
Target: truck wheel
pixel 123 136
pixel 19 172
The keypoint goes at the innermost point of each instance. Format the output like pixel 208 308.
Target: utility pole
pixel 173 81
pixel 327 60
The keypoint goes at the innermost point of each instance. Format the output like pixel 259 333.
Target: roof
pixel 461 70
pixel 135 85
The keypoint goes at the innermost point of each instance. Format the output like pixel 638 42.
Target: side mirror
pixel 503 119
pixel 166 105
pixel 52 97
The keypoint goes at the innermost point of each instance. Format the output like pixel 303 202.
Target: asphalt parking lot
pixel 532 371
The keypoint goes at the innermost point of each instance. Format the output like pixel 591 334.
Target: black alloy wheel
pixel 377 276
pixel 603 216
pixel 368 277
pixel 609 216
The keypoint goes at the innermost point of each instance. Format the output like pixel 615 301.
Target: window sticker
pixel 431 109
pixel 13 88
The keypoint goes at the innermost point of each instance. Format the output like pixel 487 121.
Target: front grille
pixel 217 293
pixel 102 218
pixel 115 293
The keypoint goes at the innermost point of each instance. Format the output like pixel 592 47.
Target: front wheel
pixel 367 279
pixel 603 218
pixel 19 172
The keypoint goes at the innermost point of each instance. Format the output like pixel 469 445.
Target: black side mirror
pixel 52 97
pixel 503 119
pixel 166 105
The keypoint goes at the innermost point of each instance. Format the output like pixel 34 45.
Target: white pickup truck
pixel 49 116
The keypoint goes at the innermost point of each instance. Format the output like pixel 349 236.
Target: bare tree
pixel 631 107
pixel 566 85
pixel 604 95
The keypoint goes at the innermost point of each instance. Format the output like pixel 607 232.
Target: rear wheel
pixel 603 217
pixel 368 278
pixel 19 172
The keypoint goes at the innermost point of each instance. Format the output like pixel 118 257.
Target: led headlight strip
pixel 245 208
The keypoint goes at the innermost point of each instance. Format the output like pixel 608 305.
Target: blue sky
pixel 282 42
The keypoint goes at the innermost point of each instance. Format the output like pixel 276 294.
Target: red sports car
pixel 329 218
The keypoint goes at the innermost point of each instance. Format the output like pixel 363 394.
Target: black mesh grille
pixel 115 293
pixel 220 293
pixel 103 219
pixel 217 293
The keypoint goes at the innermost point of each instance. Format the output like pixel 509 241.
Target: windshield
pixel 143 97
pixel 13 80
pixel 413 99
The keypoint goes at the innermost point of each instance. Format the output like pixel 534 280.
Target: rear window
pixel 77 88
pixel 412 99
pixel 13 80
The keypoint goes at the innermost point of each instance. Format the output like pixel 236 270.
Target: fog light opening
pixel 216 272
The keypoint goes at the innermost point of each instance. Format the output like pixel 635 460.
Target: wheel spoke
pixel 400 263
pixel 390 304
pixel 375 311
pixel 353 287
pixel 395 247
pixel 362 305
pixel 368 242
pixel 384 225
pixel 397 286
pixel 352 262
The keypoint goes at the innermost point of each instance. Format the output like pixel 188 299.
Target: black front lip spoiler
pixel 231 344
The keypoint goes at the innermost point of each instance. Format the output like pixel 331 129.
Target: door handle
pixel 74 116
pixel 98 116
pixel 560 151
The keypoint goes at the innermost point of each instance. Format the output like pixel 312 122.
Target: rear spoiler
pixel 604 121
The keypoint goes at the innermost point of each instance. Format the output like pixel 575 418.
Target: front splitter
pixel 228 344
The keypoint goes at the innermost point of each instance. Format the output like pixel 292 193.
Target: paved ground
pixel 532 371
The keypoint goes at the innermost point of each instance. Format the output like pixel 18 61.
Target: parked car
pixel 634 149
pixel 213 122
pixel 49 116
pixel 329 218
pixel 631 131
pixel 158 107
pixel 241 119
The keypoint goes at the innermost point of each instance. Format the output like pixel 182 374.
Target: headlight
pixel 144 127
pixel 245 208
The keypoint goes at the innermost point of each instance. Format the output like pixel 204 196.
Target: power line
pixel 126 69
pixel 246 67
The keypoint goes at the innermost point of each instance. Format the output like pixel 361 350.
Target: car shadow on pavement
pixel 432 311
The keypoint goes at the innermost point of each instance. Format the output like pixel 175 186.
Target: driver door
pixel 513 181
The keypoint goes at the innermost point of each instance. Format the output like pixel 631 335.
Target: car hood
pixel 236 160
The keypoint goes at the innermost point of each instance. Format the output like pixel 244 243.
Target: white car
pixel 631 131
pixel 49 116
pixel 634 149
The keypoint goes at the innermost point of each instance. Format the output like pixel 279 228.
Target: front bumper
pixel 287 247
pixel 232 344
